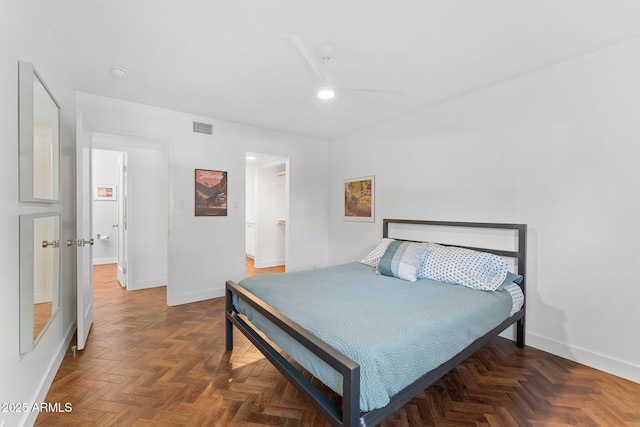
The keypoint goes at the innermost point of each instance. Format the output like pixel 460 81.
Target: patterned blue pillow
pixel 402 260
pixel 473 269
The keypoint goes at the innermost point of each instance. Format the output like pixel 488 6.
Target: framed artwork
pixel 211 193
pixel 359 199
pixel 104 192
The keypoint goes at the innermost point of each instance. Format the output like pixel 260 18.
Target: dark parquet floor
pixel 147 364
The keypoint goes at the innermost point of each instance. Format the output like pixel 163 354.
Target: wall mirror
pixel 39 117
pixel 39 275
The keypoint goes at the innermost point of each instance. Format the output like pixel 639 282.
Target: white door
pixel 84 240
pixel 122 220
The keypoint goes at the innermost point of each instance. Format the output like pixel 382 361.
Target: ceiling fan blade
pixel 327 78
pixel 372 91
pixel 293 106
pixel 299 44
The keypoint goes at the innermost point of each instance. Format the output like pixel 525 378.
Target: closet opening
pixel 267 213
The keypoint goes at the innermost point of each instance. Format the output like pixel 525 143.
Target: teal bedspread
pixel 394 329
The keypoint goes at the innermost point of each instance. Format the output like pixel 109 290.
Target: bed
pixel 374 338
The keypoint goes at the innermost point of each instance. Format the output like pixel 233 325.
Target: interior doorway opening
pixel 132 221
pixel 267 212
pixel 109 210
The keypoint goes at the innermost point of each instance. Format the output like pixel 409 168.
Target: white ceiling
pixel 230 59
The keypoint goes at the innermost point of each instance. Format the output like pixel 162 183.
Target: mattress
pixel 394 329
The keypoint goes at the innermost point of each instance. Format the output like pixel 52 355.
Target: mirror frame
pixel 27 75
pixel 27 279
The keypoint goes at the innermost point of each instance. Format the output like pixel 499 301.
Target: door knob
pixel 53 243
pixel 79 242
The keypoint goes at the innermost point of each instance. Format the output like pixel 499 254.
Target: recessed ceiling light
pixel 118 72
pixel 326 92
pixel 251 157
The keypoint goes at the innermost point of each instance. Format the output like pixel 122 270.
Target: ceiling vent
pixel 205 128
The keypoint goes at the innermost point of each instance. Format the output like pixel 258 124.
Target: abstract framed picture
pixel 104 192
pixel 211 193
pixel 359 199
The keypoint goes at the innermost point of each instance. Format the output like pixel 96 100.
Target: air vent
pixel 205 128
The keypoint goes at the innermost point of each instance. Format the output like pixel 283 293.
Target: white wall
pixel 148 218
pixel 206 251
pixel 104 171
pixel 557 149
pixel 24 35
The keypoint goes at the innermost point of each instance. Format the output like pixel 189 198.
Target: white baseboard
pixel 267 264
pixel 45 385
pixel 509 333
pixel 100 261
pixel 594 360
pixel 195 296
pixel 146 284
pixel 41 297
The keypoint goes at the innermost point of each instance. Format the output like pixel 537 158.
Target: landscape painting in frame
pixel 359 199
pixel 104 192
pixel 211 193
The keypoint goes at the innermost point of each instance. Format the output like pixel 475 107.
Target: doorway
pixel 267 212
pixel 135 229
pixel 108 168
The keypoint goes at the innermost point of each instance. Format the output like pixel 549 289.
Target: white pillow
pixel 473 269
pixel 373 258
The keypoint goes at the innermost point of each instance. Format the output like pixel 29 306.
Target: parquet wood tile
pixel 147 364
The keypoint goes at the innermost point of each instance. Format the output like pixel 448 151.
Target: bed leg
pixel 229 335
pixel 520 333
pixel 351 398
pixel 228 324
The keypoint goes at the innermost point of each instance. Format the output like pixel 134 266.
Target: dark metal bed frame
pixel 348 414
